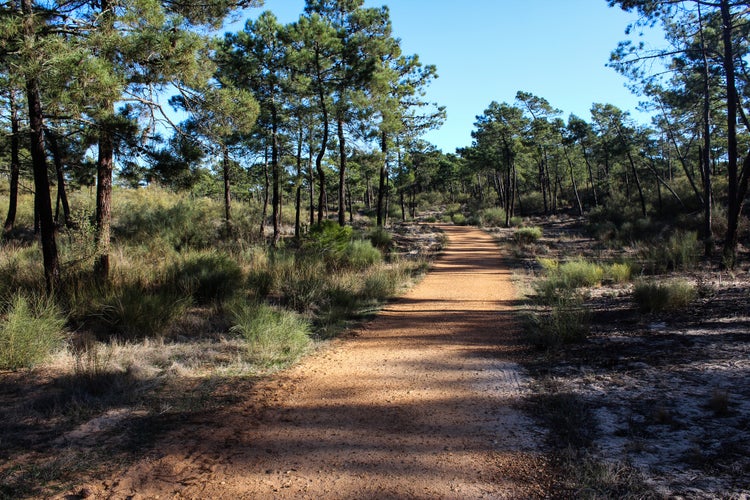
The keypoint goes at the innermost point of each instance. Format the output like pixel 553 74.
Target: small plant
pixel 567 322
pixel 209 276
pixel 30 330
pixel 492 217
pixel 527 235
pixel 656 297
pixel 360 255
pixel 274 336
pixel 458 219
pixel 136 313
pixel 579 273
pixel 382 239
pixel 618 273
pixel 381 284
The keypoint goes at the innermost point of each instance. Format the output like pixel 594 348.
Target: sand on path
pixel 418 403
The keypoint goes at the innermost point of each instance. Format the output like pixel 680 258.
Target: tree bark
pixel 15 164
pixel 735 203
pixel 342 171
pixel 62 195
pixel 276 173
pixel 382 181
pixel 42 201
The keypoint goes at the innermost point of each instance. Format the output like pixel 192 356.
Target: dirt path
pixel 416 404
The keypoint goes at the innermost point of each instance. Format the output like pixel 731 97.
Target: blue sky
pixel 488 50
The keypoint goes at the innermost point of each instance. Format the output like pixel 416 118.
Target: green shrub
pixel 327 239
pixel 274 336
pixel 360 255
pixel 492 217
pixel 381 238
pixel 657 297
pixel 458 219
pixel 303 282
pixel 567 322
pixel 683 250
pixel 381 284
pixel 579 273
pixel 30 330
pixel 516 221
pixel 135 313
pixel 208 276
pixel 680 252
pixel 527 235
pixel 618 273
pixel 446 219
pixel 148 214
pixel 261 282
pixel 562 279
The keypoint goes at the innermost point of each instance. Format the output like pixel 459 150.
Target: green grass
pixel 492 217
pixel 527 235
pixel 274 336
pixel 31 328
pixel 654 297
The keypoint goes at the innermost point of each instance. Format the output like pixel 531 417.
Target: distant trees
pixel 707 85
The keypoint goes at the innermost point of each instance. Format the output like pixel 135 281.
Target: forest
pixel 201 204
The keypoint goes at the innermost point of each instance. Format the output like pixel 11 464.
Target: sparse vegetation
pixel 31 328
pixel 274 336
pixel 527 235
pixel 666 296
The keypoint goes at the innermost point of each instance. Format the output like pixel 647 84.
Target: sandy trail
pixel 418 403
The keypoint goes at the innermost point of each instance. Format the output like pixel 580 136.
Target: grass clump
pixel 30 330
pixel 381 238
pixel 657 297
pixel 360 255
pixel 618 273
pixel 208 276
pixel 566 277
pixel 274 336
pixel 566 322
pixel 527 235
pixel 136 313
pixel 458 219
pixel 492 217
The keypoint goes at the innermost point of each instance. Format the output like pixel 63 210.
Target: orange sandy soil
pixel 421 402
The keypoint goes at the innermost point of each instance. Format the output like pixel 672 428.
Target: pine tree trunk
pixel 42 202
pixel 59 169
pixel 382 180
pixel 276 173
pixel 342 171
pixel 15 164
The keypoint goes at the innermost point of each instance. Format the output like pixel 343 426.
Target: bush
pixel 30 330
pixel 380 238
pixel 618 273
pixel 208 276
pixel 381 284
pixel 680 252
pixel 566 323
pixel 458 219
pixel 274 336
pixel 492 217
pixel 136 313
pixel 360 255
pixel 527 235
pixel 579 273
pixel 565 278
pixel 303 282
pixel 656 297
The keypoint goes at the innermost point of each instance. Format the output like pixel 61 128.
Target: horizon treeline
pixel 325 114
